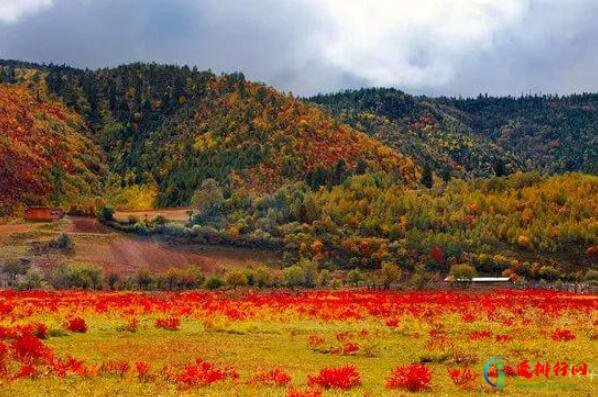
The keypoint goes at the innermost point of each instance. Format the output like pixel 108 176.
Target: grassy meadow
pixel 132 344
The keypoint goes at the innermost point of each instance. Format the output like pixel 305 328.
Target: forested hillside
pixel 45 155
pixel 167 128
pixel 550 133
pixel 521 223
pixel 479 137
pixel 424 186
pixel 248 136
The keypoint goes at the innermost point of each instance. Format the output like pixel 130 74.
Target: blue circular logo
pixel 500 382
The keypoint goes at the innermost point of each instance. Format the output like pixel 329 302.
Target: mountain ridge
pixel 478 137
pixel 173 127
pixel 166 128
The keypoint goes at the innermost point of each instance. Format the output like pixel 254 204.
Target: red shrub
pixel 6 308
pixel 143 371
pixel 131 325
pixel 463 357
pixel 169 323
pixel 343 378
pixel 9 333
pixel 30 350
pixel 503 338
pixel 36 329
pixel 315 342
pixel 115 367
pixel 274 377
pixel 562 334
pixel 350 348
pixel 477 335
pixel 3 358
pixel 412 377
pixel 202 373
pixel 437 253
pixel 69 366
pixel 468 318
pixel 508 370
pixel 437 331
pixel 26 371
pixel 76 324
pixel 392 322
pixel 462 377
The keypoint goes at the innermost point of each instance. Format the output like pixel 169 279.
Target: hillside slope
pixel 45 157
pixel 172 127
pixel 479 137
pixel 249 136
pixel 522 221
pixel 557 134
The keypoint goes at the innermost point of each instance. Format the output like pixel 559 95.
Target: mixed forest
pixel 363 179
pixel 477 137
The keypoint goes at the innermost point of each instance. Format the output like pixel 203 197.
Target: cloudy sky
pixel 434 47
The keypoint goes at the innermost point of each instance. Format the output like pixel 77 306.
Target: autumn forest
pixel 361 180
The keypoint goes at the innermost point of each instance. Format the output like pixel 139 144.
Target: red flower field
pixel 293 343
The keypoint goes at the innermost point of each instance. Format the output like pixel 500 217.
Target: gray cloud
pixel 13 10
pixel 461 47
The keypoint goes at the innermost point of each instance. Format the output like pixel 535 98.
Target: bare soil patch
pixel 127 254
pixel 123 253
pixel 86 225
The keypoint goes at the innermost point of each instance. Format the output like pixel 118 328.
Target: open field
pixel 147 344
pixel 117 252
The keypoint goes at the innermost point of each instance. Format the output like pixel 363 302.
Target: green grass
pixel 260 344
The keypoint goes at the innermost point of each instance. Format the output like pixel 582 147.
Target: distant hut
pixel 43 214
pixel 484 282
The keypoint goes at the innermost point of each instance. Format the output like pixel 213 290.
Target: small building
pixel 43 214
pixel 484 282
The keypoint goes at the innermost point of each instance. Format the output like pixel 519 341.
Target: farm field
pixel 290 343
pixel 117 252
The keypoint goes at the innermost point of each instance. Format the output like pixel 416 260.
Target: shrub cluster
pixel 303 274
pixel 20 274
pixel 367 221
